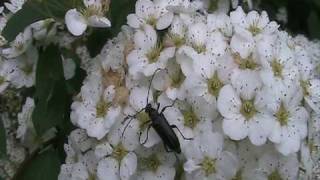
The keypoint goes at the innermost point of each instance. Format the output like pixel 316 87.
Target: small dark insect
pixel 160 124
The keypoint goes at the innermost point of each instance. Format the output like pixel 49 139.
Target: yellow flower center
pixel 305 87
pixel 154 53
pixel 92 10
pixel 214 85
pixel 282 115
pixel 208 166
pixel 200 48
pixel 190 118
pixel 277 68
pixel 152 163
pixel 152 21
pixel 177 40
pixel 143 117
pixel 247 109
pixel 274 176
pixel 102 108
pixel 254 30
pixel 119 152
pixel 177 78
pixel 246 63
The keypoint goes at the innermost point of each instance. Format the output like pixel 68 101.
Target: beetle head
pixel 148 108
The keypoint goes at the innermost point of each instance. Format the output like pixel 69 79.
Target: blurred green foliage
pixel 303 15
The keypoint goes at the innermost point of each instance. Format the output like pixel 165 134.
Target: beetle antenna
pixel 158 69
pixel 126 127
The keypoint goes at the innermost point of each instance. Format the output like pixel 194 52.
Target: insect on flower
pixel 160 124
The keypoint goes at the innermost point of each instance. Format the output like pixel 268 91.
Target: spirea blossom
pixel 241 95
pixel 238 92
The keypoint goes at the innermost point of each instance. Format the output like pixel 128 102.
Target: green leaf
pixel 51 92
pixel 45 165
pixel 314 25
pixel 33 11
pixel 3 147
pixel 24 17
pixel 119 10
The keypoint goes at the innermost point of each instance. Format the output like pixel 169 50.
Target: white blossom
pixel 91 15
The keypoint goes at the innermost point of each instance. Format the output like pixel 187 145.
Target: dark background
pixel 303 15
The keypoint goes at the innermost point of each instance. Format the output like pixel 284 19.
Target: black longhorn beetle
pixel 160 124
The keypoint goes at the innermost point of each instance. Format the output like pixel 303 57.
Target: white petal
pixel 227 165
pixel 108 169
pixel 79 171
pixel 112 116
pixel 290 143
pixel 134 21
pixel 103 149
pixel 242 42
pixel 164 21
pixel 138 97
pixel 144 8
pixel 153 138
pixel 228 102
pixel 130 138
pixel 190 166
pixel 263 20
pixel 289 167
pixel 259 129
pixel 276 133
pixel 96 21
pixel 96 128
pixel 314 98
pixel 236 129
pixel 252 17
pixel 246 83
pixel 238 17
pixel 75 22
pixel 145 38
pixel 128 166
pixel 268 162
pixel 197 33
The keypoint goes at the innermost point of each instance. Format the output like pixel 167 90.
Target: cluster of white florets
pixel 247 93
pixel 244 90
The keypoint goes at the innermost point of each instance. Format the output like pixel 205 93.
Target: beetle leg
pixel 126 127
pixel 174 126
pixel 127 117
pixel 147 135
pixel 158 106
pixel 164 108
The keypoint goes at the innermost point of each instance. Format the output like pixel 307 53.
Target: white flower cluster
pixel 246 93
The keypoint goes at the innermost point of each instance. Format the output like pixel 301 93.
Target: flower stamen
pixel 214 85
pixel 276 68
pixel 102 108
pixel 247 109
pixel 190 119
pixel 208 166
pixel 152 162
pixel 119 152
pixel 274 176
pixel 282 115
pixel 154 53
